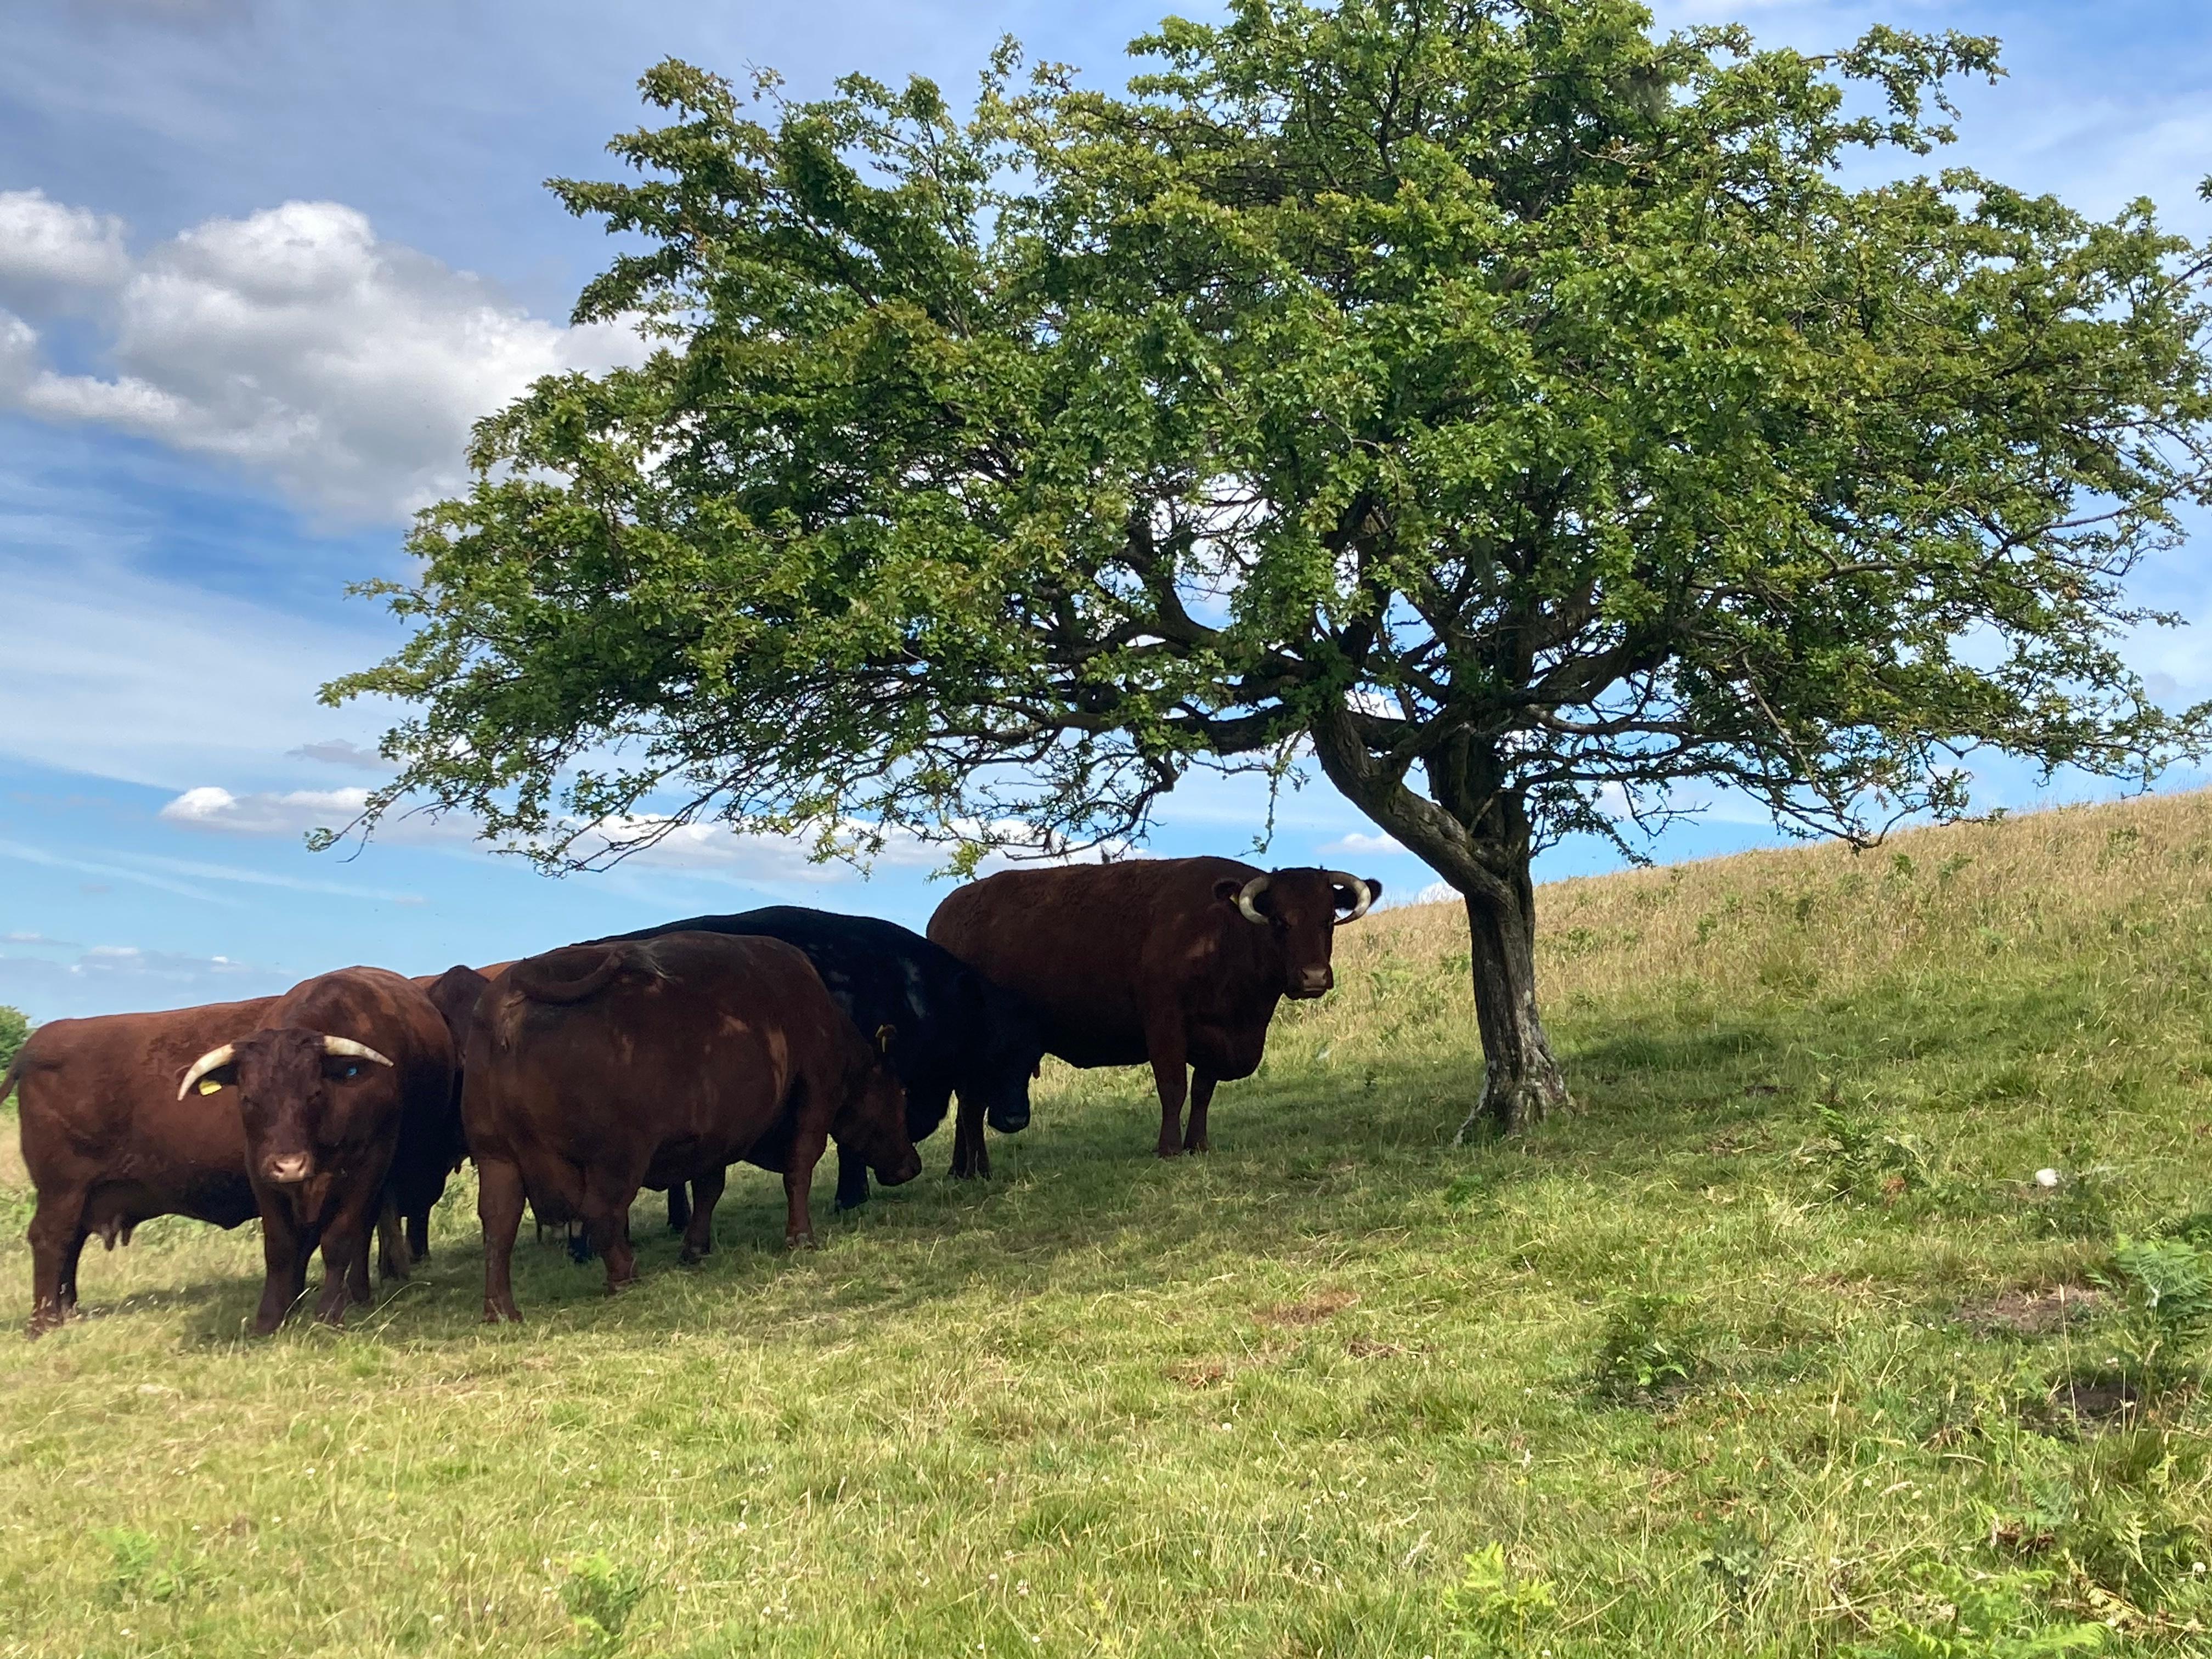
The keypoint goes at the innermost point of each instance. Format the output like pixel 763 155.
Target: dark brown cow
pixel 108 1145
pixel 598 1069
pixel 430 1144
pixel 1179 961
pixel 324 1086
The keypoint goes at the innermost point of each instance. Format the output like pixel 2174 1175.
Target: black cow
pixel 958 1033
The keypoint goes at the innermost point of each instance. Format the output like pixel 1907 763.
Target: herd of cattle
pixel 575 1079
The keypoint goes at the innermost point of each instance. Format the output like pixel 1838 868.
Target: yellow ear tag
pixel 209 1087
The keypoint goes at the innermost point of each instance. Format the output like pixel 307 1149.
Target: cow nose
pixel 1312 981
pixel 286 1169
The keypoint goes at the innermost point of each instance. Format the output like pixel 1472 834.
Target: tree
pixel 15 1031
pixel 1510 409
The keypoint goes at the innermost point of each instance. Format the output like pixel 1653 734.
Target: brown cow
pixel 108 1145
pixel 431 1146
pixel 1174 961
pixel 324 1086
pixel 598 1069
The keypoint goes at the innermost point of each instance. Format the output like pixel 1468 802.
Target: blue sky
pixel 261 263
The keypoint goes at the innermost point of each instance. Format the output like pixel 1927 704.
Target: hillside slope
pixel 1776 1346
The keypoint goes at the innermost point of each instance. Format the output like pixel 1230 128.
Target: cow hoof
pixel 799 1242
pixel 688 1257
pixel 495 1315
pixel 1169 1151
pixel 1197 1146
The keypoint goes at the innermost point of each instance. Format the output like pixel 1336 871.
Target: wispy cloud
pixel 12 849
pixel 267 879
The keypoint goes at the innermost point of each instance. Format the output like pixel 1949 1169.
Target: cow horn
pixel 1250 890
pixel 213 1059
pixel 348 1048
pixel 1340 878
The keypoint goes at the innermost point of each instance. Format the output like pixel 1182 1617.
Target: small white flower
pixel 2047 1178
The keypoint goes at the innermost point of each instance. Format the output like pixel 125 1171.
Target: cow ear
pixel 1374 889
pixel 1227 891
pixel 886 1036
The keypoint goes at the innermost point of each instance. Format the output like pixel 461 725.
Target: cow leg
pixel 679 1209
pixel 1166 1048
pixel 394 1258
pixel 284 1260
pixel 852 1180
pixel 970 1157
pixel 699 1226
pixel 345 1266
pixel 799 1185
pixel 72 1253
pixel 1201 1097
pixel 418 1234
pixel 606 1221
pixel 499 1207
pixel 57 1235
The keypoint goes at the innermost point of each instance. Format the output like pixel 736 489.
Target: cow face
pixel 872 1120
pixel 1008 1051
pixel 1299 910
pixel 310 1105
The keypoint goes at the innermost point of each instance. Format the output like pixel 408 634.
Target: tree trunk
pixel 1520 1079
pixel 1477 836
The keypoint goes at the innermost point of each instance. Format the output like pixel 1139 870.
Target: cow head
pixel 310 1105
pixel 1298 908
pixel 872 1121
pixel 1005 1051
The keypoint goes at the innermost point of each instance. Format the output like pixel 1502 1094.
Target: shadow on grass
pixel 1078 1204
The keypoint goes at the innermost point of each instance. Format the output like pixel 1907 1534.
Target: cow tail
pixel 536 979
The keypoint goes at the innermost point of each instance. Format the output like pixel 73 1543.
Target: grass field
pixel 1776 1347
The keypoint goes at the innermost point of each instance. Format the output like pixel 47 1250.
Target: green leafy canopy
pixel 1512 406
pixel 1513 409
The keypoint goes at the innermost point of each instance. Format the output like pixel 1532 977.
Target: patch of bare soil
pixel 1323 1304
pixel 1199 1373
pixel 2099 1400
pixel 2041 1311
pixel 1360 1348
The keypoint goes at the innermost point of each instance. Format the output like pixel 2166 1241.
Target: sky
pixel 262 261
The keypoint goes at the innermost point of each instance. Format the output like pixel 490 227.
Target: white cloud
pixel 1359 844
pixel 337 751
pixel 57 252
pixel 295 811
pixel 295 343
pixel 108 977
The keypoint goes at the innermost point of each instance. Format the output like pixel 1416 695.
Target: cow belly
pixel 221 1200
pixel 1227 1053
pixel 1089 1048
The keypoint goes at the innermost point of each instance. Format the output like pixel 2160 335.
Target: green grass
pixel 1760 1353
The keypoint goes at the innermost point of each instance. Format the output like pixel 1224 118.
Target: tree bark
pixel 1521 1079
pixel 1477 836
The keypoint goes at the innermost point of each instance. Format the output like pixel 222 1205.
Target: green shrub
pixel 1651 1344
pixel 1957 1614
pixel 15 1028
pixel 1493 1610
pixel 601 1595
pixel 2165 1285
